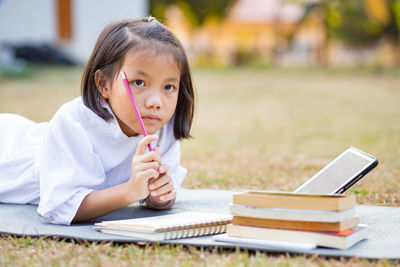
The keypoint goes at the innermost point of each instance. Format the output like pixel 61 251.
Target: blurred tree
pixel 359 21
pixel 396 14
pixel 195 11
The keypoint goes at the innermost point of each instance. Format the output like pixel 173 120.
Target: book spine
pixel 291 214
pixel 294 202
pixel 296 225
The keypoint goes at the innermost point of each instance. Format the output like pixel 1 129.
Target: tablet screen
pixel 340 173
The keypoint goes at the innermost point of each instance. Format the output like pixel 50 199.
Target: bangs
pixel 153 49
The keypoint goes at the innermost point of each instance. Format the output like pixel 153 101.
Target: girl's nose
pixel 153 100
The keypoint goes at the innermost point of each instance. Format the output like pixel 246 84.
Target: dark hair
pixel 108 55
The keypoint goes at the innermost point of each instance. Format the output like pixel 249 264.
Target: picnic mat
pixel 383 226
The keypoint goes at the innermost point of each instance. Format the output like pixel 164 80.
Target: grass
pixel 254 128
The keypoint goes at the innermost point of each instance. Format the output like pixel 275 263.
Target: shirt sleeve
pixel 171 155
pixel 69 170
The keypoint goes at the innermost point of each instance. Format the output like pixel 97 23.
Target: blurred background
pixel 215 33
pixel 286 32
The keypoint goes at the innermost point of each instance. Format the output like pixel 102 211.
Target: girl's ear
pixel 101 84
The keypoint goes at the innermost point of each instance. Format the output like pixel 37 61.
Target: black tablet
pixel 340 174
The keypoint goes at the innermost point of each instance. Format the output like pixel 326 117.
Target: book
pixel 171 226
pixel 339 240
pixel 289 200
pixel 292 214
pixel 263 242
pixel 297 225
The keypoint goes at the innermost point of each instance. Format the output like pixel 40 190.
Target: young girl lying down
pixel 91 158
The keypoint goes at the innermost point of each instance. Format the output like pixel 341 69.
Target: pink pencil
pixel 128 88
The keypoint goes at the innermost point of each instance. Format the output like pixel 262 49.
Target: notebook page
pixel 173 221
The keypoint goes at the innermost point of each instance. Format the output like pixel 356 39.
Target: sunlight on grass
pixel 254 129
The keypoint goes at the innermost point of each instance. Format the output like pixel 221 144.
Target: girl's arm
pixel 102 202
pixel 144 167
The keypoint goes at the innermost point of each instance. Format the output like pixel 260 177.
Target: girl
pixel 91 159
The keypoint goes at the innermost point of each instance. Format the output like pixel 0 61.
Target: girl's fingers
pixel 147 165
pixel 162 180
pixel 142 146
pixel 163 168
pixel 151 156
pixel 162 190
pixel 168 196
pixel 151 180
pixel 157 149
pixel 148 174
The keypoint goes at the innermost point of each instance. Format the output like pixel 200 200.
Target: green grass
pixel 254 128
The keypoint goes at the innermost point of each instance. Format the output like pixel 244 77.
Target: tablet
pixel 340 174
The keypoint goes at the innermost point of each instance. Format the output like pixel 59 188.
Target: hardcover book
pixel 297 225
pixel 289 200
pixel 292 214
pixel 341 240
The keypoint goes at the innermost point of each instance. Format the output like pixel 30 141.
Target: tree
pixel 195 11
pixel 360 21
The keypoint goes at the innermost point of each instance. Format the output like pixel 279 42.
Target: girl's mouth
pixel 151 118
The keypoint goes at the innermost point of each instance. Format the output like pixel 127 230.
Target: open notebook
pixel 171 226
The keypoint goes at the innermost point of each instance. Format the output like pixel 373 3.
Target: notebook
pixel 171 226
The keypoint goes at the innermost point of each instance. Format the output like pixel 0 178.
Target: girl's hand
pixel 145 166
pixel 162 188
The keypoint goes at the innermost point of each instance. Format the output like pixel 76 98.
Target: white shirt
pixel 56 164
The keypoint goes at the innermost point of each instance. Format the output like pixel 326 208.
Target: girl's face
pixel 154 81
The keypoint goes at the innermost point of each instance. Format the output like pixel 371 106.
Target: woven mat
pixel 383 226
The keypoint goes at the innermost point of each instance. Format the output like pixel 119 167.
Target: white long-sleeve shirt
pixel 56 164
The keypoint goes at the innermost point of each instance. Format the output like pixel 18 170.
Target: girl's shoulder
pixel 74 122
pixel 76 111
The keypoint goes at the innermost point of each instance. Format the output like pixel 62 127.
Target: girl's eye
pixel 169 88
pixel 139 83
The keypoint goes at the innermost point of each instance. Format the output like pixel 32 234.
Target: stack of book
pixel 323 220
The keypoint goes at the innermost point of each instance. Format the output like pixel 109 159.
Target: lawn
pixel 254 128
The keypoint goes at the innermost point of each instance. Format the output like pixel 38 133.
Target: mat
pixel 383 226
